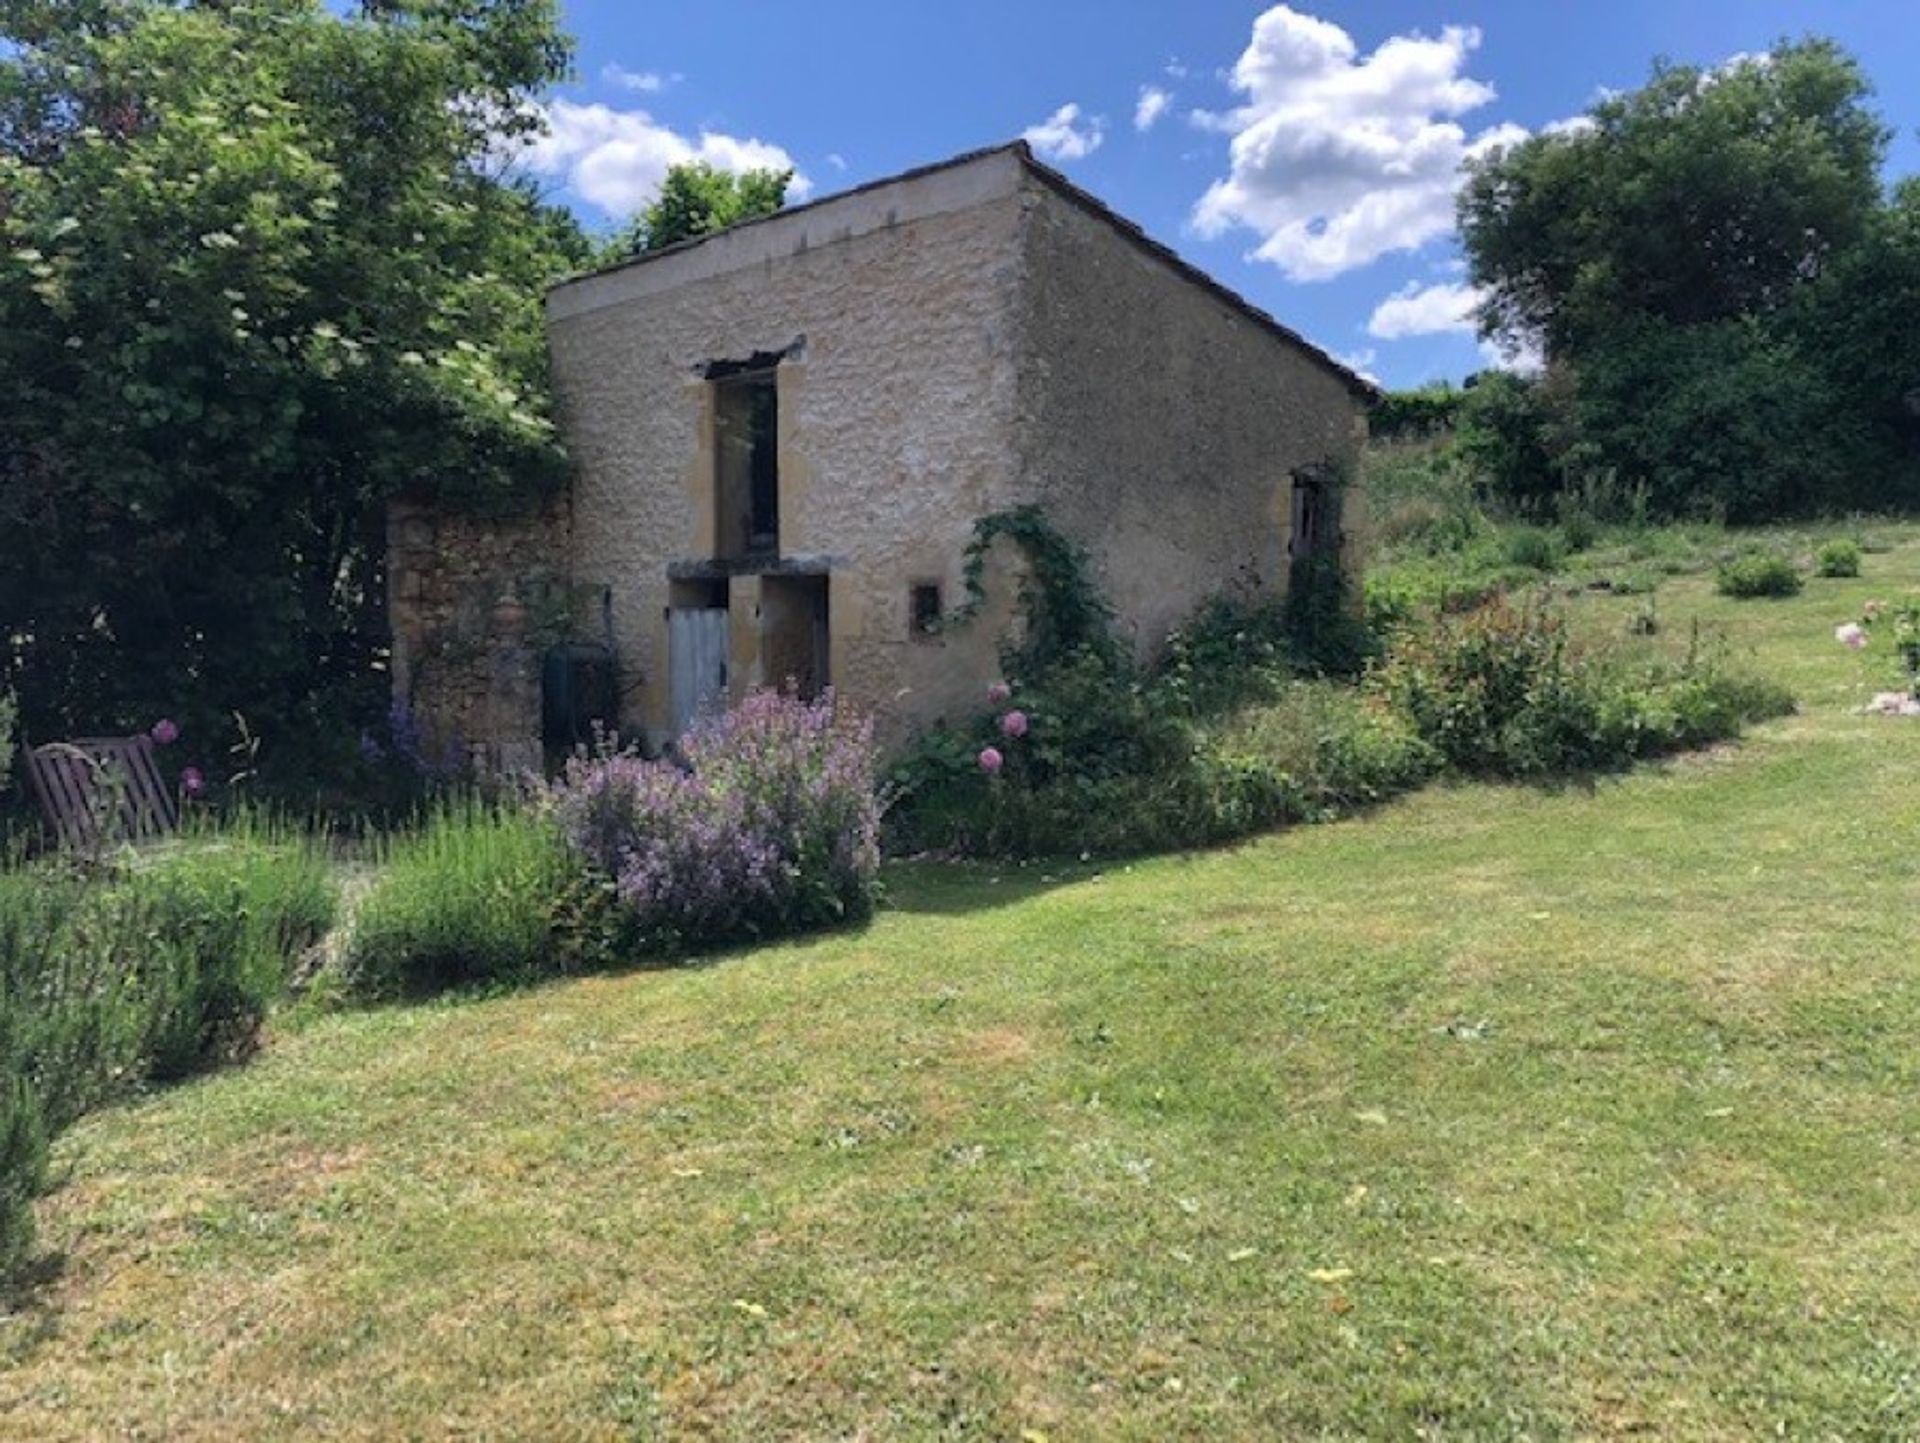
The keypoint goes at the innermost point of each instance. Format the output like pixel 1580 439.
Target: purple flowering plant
pixel 771 824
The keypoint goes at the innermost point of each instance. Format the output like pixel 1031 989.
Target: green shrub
pixel 1341 747
pixel 1532 547
pixel 1836 558
pixel 1578 530
pixel 480 892
pixel 1757 573
pixel 23 1150
pixel 1507 691
pixel 156 966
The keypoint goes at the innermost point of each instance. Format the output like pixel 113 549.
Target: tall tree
pixel 697 199
pixel 256 279
pixel 1704 195
pixel 1712 273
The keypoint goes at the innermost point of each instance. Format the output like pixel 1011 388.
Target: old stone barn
pixel 785 434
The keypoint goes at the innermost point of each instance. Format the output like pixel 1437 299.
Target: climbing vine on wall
pixel 1065 611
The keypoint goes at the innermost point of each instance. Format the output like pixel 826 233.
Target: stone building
pixel 784 435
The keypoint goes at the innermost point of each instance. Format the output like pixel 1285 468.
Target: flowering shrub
pixel 771 826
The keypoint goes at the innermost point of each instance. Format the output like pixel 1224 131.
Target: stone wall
pixel 474 601
pixel 1160 423
pixel 892 311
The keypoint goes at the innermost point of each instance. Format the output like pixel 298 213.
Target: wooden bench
pixel 102 790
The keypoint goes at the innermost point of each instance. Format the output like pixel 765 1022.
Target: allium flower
pixel 990 760
pixel 1014 724
pixel 191 782
pixel 1852 635
pixel 998 693
pixel 165 732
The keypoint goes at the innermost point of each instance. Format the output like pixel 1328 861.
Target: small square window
pixel 923 606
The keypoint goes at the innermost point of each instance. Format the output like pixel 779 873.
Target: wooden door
pixel 697 661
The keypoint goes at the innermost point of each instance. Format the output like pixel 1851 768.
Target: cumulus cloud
pixel 1336 158
pixel 647 82
pixel 616 159
pixel 1417 310
pixel 1065 136
pixel 1152 104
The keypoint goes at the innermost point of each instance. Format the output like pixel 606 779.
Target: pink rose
pixel 998 693
pixel 165 732
pixel 990 760
pixel 1014 724
pixel 191 782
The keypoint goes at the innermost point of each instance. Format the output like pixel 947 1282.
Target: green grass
pixel 1497 1112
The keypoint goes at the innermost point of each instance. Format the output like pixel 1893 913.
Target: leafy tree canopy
pixel 257 276
pixel 697 199
pixel 1704 195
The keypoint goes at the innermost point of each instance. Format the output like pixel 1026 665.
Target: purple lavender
pixel 772 825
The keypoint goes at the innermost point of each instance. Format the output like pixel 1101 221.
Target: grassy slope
pixel 1497 1111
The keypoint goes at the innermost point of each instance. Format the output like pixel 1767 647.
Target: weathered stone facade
pixel 471 600
pixel 935 348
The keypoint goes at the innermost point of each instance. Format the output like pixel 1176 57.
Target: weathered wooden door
pixel 697 661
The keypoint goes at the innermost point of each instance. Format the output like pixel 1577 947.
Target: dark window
pixel 924 608
pixel 1316 512
pixel 747 463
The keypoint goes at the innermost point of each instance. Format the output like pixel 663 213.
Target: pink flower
pixel 1014 724
pixel 1852 635
pixel 990 760
pixel 165 732
pixel 998 692
pixel 191 782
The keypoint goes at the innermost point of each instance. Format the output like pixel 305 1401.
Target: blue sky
pixel 1303 155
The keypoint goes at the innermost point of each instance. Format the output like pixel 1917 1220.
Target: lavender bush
pixel 771 826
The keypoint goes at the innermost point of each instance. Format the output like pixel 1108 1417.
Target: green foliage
pixel 255 279
pixel 148 969
pixel 1703 196
pixel 1065 613
pixel 23 1161
pixel 480 892
pixel 1427 411
pixel 1536 548
pixel 1839 557
pixel 1505 690
pixel 1718 286
pixel 1757 573
pixel 1508 438
pixel 221 922
pixel 697 199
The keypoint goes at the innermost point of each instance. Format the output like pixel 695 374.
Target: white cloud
pixel 1064 136
pixel 1417 310
pixel 836 160
pixel 616 159
pixel 1572 125
pixel 1338 159
pixel 1358 362
pixel 1151 106
pixel 1524 359
pixel 647 82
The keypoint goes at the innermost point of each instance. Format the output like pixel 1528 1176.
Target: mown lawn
pixel 1498 1112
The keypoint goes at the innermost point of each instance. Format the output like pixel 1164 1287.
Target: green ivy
pixel 1065 611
